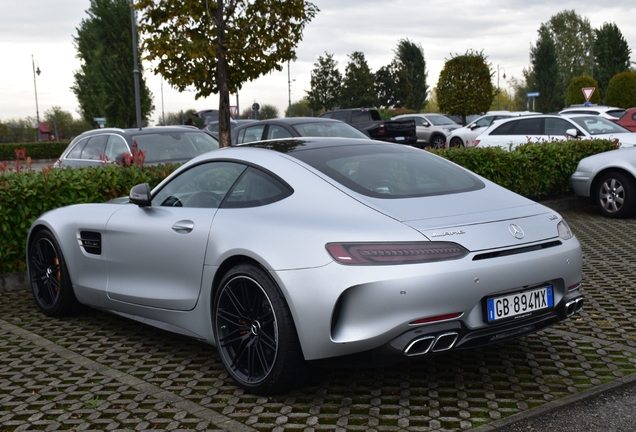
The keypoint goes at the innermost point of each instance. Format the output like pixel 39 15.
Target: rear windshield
pixel 389 170
pixel 328 129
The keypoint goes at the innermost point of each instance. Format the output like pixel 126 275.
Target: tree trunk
pixel 221 80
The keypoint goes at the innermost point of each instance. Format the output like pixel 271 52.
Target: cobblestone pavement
pixel 97 371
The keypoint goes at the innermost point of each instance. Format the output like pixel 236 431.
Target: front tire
pixel 50 281
pixel 255 332
pixel 615 195
pixel 456 142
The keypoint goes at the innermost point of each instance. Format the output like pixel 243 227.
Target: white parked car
pixel 608 112
pixel 465 136
pixel 608 180
pixel 509 133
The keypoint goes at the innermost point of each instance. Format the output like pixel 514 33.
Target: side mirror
pixel 426 124
pixel 140 195
pixel 571 133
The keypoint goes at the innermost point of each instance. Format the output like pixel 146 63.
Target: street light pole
pixel 37 110
pixel 133 19
pixel 498 89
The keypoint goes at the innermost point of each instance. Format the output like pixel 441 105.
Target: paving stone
pixel 97 371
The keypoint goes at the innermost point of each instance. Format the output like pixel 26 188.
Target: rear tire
pixel 615 195
pixel 255 332
pixel 50 281
pixel 438 142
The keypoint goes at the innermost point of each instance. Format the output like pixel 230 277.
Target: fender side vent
pixel 91 242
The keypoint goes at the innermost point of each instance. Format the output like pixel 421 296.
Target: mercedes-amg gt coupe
pixel 292 252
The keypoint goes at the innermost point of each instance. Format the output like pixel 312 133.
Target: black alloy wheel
pixel 255 333
pixel 49 277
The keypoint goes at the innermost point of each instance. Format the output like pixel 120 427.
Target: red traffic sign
pixel 587 92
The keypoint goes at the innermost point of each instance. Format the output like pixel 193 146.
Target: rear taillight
pixel 476 143
pixel 394 253
pixel 381 129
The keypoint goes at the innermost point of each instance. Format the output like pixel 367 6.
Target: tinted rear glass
pixel 175 146
pixel 389 171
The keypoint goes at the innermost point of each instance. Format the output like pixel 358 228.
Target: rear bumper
pixel 446 336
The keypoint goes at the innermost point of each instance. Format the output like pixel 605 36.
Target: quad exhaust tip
pixel 426 344
pixel 573 306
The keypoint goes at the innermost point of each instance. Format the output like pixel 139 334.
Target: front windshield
pixel 595 125
pixel 440 120
pixel 328 129
pixel 175 145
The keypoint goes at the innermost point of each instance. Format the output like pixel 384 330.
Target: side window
pixel 360 116
pixel 276 132
pixel 556 126
pixel 202 186
pixel 94 149
pixel 76 151
pixel 250 134
pixel 486 121
pixel 340 115
pixel 115 147
pixel 528 127
pixel 256 188
pixel 505 129
pixel 327 115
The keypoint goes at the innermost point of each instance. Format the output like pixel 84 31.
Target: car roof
pixel 290 145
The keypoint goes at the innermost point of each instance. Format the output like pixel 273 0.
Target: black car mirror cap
pixel 140 195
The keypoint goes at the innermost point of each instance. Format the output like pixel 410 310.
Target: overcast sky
pixel 503 29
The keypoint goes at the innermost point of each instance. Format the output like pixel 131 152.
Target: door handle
pixel 183 227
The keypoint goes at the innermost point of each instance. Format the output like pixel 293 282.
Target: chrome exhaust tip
pixel 419 346
pixel 573 306
pixel 445 342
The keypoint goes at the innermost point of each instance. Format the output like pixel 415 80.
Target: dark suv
pixel 161 144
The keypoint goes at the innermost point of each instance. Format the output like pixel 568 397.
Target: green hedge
pixel 536 171
pixel 25 196
pixel 41 150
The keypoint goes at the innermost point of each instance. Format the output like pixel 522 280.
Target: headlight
pixel 564 230
pixel 448 131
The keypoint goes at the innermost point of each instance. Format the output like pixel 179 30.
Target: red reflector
pixel 574 287
pixel 394 253
pixel 436 318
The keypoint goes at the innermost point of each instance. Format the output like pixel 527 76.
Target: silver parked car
pixel 432 130
pixel 608 180
pixel 159 144
pixel 291 251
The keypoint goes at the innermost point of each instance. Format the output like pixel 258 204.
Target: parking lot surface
pixel 97 371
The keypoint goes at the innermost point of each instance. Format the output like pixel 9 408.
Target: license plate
pixel 520 303
pixel 400 138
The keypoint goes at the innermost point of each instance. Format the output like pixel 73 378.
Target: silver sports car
pixel 289 252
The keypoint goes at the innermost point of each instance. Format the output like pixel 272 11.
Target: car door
pixel 154 255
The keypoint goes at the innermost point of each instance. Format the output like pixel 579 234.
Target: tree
pixel 411 67
pixel 60 120
pixel 546 76
pixel 358 85
pixel 217 46
pixel 267 112
pixel 611 55
pixel 573 39
pixel 301 108
pixel 326 82
pixel 104 84
pixel 621 90
pixel 386 86
pixel 464 86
